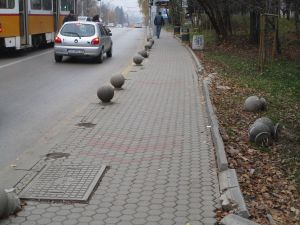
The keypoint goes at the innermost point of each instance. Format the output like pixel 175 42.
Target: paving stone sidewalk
pixel 156 141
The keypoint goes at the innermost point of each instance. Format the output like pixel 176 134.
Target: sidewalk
pixel 157 146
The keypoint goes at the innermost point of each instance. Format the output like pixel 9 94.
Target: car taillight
pixel 58 40
pixel 95 41
pixel 1 28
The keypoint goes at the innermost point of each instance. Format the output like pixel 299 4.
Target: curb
pixel 217 139
pixel 231 195
pixel 236 220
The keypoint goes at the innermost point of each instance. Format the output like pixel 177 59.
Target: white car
pixel 83 39
pixel 110 24
pixel 138 25
pixel 84 18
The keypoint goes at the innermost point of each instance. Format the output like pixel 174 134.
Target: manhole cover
pixel 67 182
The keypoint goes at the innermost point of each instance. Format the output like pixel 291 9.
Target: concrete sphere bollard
pixel 148 46
pixel 14 203
pixel 143 53
pixel 267 121
pixel 255 104
pixel 9 202
pixel 105 93
pixel 277 129
pixel 263 103
pixel 252 104
pixel 117 81
pixel 260 133
pixel 138 59
pixel 3 204
pixel 151 42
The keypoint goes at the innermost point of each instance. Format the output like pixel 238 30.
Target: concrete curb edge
pixel 217 139
pixel 233 191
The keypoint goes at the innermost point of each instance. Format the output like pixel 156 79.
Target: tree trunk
pixel 288 10
pixel 214 11
pixel 297 21
pixel 254 27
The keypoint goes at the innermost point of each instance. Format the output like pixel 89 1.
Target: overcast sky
pixel 128 5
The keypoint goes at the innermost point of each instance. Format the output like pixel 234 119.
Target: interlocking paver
pixel 70 222
pixel 155 140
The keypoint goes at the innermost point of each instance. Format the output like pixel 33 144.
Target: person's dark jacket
pixel 159 20
pixel 69 17
pixel 96 18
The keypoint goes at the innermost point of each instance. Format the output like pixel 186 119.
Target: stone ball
pixel 14 203
pixel 263 139
pixel 138 59
pixel 267 121
pixel 263 103
pixel 105 93
pixel 148 46
pixel 117 81
pixel 252 104
pixel 277 130
pixel 143 53
pixel 3 204
pixel 151 41
pixel 256 129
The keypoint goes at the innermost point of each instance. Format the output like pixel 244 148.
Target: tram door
pixel 23 21
pixel 56 15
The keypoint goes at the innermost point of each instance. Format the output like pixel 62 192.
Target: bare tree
pixel 88 7
pixel 144 6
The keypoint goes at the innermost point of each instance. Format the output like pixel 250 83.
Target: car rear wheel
pixel 58 58
pixel 99 58
pixel 109 52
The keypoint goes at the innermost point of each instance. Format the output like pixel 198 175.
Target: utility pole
pixel 100 10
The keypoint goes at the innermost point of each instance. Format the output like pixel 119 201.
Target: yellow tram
pixel 30 23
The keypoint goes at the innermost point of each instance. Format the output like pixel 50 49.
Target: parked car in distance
pixel 83 39
pixel 138 25
pixel 84 18
pixel 110 24
pixel 119 25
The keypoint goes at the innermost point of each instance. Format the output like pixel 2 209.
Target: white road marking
pixel 22 60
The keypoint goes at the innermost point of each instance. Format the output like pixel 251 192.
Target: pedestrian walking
pixel 158 22
pixel 96 18
pixel 70 17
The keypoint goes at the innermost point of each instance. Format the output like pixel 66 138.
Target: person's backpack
pixel 158 20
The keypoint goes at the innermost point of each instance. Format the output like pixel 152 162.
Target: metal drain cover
pixel 64 182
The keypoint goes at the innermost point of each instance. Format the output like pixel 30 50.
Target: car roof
pixel 82 22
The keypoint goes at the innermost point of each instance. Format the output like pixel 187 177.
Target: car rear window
pixel 78 29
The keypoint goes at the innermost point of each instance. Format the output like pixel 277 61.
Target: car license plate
pixel 75 51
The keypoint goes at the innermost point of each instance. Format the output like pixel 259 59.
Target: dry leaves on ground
pixel 269 194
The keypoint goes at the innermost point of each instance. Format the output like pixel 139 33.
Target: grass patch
pixel 280 85
pixel 280 81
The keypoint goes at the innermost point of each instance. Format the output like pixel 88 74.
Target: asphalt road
pixel 38 95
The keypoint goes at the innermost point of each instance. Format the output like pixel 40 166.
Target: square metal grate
pixel 64 182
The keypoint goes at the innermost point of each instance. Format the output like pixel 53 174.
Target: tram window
pixel 7 4
pixel 41 4
pixel 36 4
pixel 67 5
pixel 47 5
